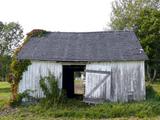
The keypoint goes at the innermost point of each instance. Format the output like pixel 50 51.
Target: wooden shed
pixel 113 62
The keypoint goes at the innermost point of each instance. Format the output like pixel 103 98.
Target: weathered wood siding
pixel 127 81
pixel 31 77
pixel 98 84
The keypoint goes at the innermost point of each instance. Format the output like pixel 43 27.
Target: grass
pixel 4 93
pixel 156 87
pixel 75 109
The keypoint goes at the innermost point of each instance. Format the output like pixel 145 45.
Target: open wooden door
pixel 97 83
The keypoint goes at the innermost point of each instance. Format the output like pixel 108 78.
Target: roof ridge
pixel 81 32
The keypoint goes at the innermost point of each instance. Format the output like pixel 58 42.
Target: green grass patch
pixel 75 109
pixel 4 93
pixel 156 87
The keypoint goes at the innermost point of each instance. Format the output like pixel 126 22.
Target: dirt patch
pixel 7 110
pixel 78 87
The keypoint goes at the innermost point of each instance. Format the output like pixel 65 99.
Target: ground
pixel 79 87
pixel 76 109
pixel 4 93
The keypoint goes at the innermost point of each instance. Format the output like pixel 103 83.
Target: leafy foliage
pixel 53 95
pixel 148 31
pixel 4 67
pixel 20 97
pixel 10 36
pixel 125 12
pixel 36 33
pixel 17 68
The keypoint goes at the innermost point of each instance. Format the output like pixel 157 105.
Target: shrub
pixel 37 33
pixel 17 68
pixel 53 95
pixel 18 100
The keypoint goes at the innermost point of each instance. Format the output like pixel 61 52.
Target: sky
pixel 58 15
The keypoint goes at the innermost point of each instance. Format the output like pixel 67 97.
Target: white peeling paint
pixel 126 78
pixel 31 77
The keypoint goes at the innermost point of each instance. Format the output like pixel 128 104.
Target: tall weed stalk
pixel 53 94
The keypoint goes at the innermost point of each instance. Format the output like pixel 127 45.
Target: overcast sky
pixel 57 15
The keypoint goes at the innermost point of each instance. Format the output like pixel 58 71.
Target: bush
pixel 17 67
pixel 53 95
pixel 4 66
pixel 19 98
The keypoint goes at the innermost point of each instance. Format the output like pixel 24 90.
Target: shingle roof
pixel 84 46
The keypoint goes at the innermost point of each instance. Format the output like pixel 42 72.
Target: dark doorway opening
pixel 69 74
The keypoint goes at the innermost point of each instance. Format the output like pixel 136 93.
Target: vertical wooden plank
pixel 127 77
pixel 31 77
pixel 93 79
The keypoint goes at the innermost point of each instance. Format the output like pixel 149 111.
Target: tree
pixel 125 12
pixel 148 31
pixel 4 67
pixel 10 36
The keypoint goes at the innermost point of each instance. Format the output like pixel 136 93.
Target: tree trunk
pixel 14 88
pixel 151 79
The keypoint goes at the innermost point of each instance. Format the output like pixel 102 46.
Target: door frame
pixel 68 78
